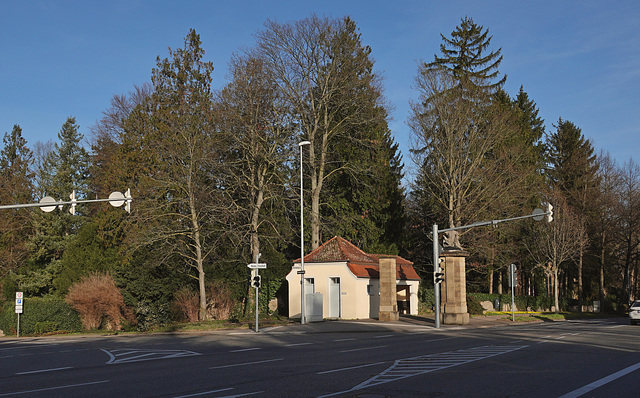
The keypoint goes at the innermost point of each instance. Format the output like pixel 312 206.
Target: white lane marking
pixel 383 336
pixel 350 368
pixel 53 388
pixel 599 383
pixel 365 348
pixel 297 344
pixel 243 395
pixel 203 393
pixel 246 349
pixel 246 363
pixel 44 370
pixel 344 340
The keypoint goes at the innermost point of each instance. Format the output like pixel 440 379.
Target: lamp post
pixel 301 272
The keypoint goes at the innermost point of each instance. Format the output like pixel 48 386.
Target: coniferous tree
pixel 63 170
pixel 363 197
pixel 574 173
pixel 15 188
pixel 465 57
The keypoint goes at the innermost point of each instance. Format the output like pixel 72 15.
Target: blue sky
pixel 579 60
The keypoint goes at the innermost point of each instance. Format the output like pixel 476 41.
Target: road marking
pixel 349 368
pixel 383 336
pixel 366 348
pixel 246 363
pixel 203 393
pixel 297 344
pixel 247 349
pixel 599 383
pixel 243 395
pixel 52 388
pixel 44 370
pixel 132 355
pixel 408 367
pixel 344 340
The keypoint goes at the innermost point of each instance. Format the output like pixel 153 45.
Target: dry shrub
pixel 220 301
pixel 187 302
pixel 98 301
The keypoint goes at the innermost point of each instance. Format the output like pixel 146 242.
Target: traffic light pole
pixel 537 214
pixel 436 264
pixel 258 275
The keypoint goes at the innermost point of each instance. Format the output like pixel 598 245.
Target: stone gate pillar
pixel 453 291
pixel 388 294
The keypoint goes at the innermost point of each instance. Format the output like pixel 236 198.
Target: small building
pixel 342 282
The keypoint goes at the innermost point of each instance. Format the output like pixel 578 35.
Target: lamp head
pixel 303 143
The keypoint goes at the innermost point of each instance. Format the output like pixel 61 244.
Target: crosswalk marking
pixel 408 367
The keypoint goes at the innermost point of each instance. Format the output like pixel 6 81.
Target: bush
pixel 41 315
pixel 98 301
pixel 187 304
pixel 473 305
pixel 220 301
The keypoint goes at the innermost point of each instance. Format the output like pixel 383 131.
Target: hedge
pixel 41 315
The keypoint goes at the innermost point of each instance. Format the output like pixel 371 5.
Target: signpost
pixel 255 281
pixel 512 283
pixel 19 306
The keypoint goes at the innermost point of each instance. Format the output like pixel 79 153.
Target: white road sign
pixel 257 265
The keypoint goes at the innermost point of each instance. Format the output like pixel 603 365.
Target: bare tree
pixel 254 117
pixel 552 245
pixel 461 148
pixel 628 214
pixel 318 64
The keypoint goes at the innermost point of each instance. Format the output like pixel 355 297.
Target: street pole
pixel 257 274
pixel 436 263
pixel 302 311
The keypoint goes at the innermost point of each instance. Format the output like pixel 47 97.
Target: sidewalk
pixel 404 323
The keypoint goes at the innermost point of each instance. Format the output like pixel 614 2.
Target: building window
pixel 370 290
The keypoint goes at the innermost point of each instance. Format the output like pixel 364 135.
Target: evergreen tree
pixel 574 173
pixel 465 57
pixel 63 171
pixel 363 196
pixel 15 188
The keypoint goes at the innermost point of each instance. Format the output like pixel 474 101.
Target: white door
pixel 334 297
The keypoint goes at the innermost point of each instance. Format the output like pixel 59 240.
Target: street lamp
pixel 301 272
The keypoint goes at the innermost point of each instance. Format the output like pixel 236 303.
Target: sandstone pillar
pixel 453 290
pixel 388 295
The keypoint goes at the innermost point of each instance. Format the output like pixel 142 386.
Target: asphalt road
pixel 595 358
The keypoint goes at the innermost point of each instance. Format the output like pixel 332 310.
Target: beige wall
pixel 355 303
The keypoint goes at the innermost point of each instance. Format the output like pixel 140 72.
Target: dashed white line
pixel 246 363
pixel 53 388
pixel 44 370
pixel 297 344
pixel 363 349
pixel 246 349
pixel 344 340
pixel 203 393
pixel 350 368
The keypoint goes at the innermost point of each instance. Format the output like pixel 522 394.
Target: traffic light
pixel 255 282
pixel 549 212
pixel 438 276
pixel 72 208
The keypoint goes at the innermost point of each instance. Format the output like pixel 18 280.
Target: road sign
pixel 257 265
pixel 19 295
pixel 19 302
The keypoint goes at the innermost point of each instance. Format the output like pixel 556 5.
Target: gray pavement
pixel 404 323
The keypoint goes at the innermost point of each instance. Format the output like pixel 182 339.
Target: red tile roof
pixel 361 264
